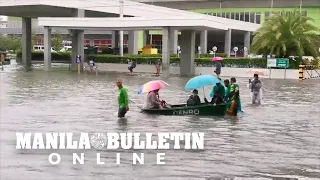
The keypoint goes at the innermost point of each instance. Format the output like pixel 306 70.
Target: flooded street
pixel 280 138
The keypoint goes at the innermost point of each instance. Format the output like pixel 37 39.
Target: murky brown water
pixel 278 139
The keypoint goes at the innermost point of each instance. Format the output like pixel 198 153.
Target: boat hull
pixel 184 110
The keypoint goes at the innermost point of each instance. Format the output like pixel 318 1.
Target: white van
pixel 41 48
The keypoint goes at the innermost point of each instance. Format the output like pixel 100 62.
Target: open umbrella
pixel 152 85
pixel 201 81
pixel 217 59
pixel 255 71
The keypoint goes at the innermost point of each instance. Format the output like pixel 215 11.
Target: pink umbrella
pixel 217 59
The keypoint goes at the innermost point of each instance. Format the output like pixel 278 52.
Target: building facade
pixel 254 11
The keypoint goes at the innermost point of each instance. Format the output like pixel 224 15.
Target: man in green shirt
pixel 123 100
pixel 234 98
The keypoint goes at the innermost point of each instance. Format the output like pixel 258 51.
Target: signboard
pixel 78 59
pixel 245 49
pixel 278 63
pixel 214 49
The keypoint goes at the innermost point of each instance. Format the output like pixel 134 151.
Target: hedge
pixel 38 55
pixel 152 59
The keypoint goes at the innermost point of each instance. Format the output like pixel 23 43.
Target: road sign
pixel 235 49
pixel 214 48
pixel 278 63
pixel 78 59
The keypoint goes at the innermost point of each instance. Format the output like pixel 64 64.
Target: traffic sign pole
pixel 214 49
pixel 235 49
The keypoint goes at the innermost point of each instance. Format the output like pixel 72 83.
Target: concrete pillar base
pixel 227 41
pixel 187 67
pixel 77 49
pixel 204 42
pixel 247 37
pixel 145 38
pixel 165 53
pixel 173 38
pixel 133 42
pixel 26 43
pixel 47 48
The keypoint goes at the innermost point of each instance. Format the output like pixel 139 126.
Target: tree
pixel 287 35
pixel 10 43
pixel 56 41
pixel 34 39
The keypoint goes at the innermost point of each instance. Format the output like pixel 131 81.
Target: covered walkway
pixel 137 16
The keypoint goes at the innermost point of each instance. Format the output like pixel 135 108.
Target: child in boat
pixel 194 99
pixel 217 94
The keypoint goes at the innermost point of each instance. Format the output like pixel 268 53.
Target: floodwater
pixel 280 138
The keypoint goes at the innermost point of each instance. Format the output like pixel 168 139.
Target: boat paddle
pixel 136 104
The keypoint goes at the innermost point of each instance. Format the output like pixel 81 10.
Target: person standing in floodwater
pixel 123 99
pixel 218 68
pixel 234 98
pixel 158 66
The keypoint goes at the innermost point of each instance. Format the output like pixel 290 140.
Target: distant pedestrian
pixel 131 66
pixel 218 69
pixel 158 66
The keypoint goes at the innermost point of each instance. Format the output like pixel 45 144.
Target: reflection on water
pixel 278 138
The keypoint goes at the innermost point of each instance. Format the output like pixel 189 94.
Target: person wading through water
pixel 234 98
pixel 123 100
pixel 218 69
pixel 255 87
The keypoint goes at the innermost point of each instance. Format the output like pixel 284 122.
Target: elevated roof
pixel 112 6
pixel 133 23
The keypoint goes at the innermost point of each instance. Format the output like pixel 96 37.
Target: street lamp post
pixel 121 32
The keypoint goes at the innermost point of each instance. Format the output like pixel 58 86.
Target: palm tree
pixel 287 34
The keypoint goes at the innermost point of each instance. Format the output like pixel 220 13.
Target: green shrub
pixel 152 59
pixel 38 55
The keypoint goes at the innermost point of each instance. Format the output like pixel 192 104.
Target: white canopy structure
pixel 78 15
pixel 63 8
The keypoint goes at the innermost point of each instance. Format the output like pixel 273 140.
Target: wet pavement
pixel 280 138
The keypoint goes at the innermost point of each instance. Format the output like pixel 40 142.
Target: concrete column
pixel 173 40
pixel 47 48
pixel 188 38
pixel 204 41
pixel 115 39
pixel 165 52
pixel 77 43
pixel 133 42
pixel 77 48
pixel 227 42
pixel 145 38
pixel 26 43
pixel 247 36
pixel 121 43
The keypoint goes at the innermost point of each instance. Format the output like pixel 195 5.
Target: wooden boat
pixel 184 110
